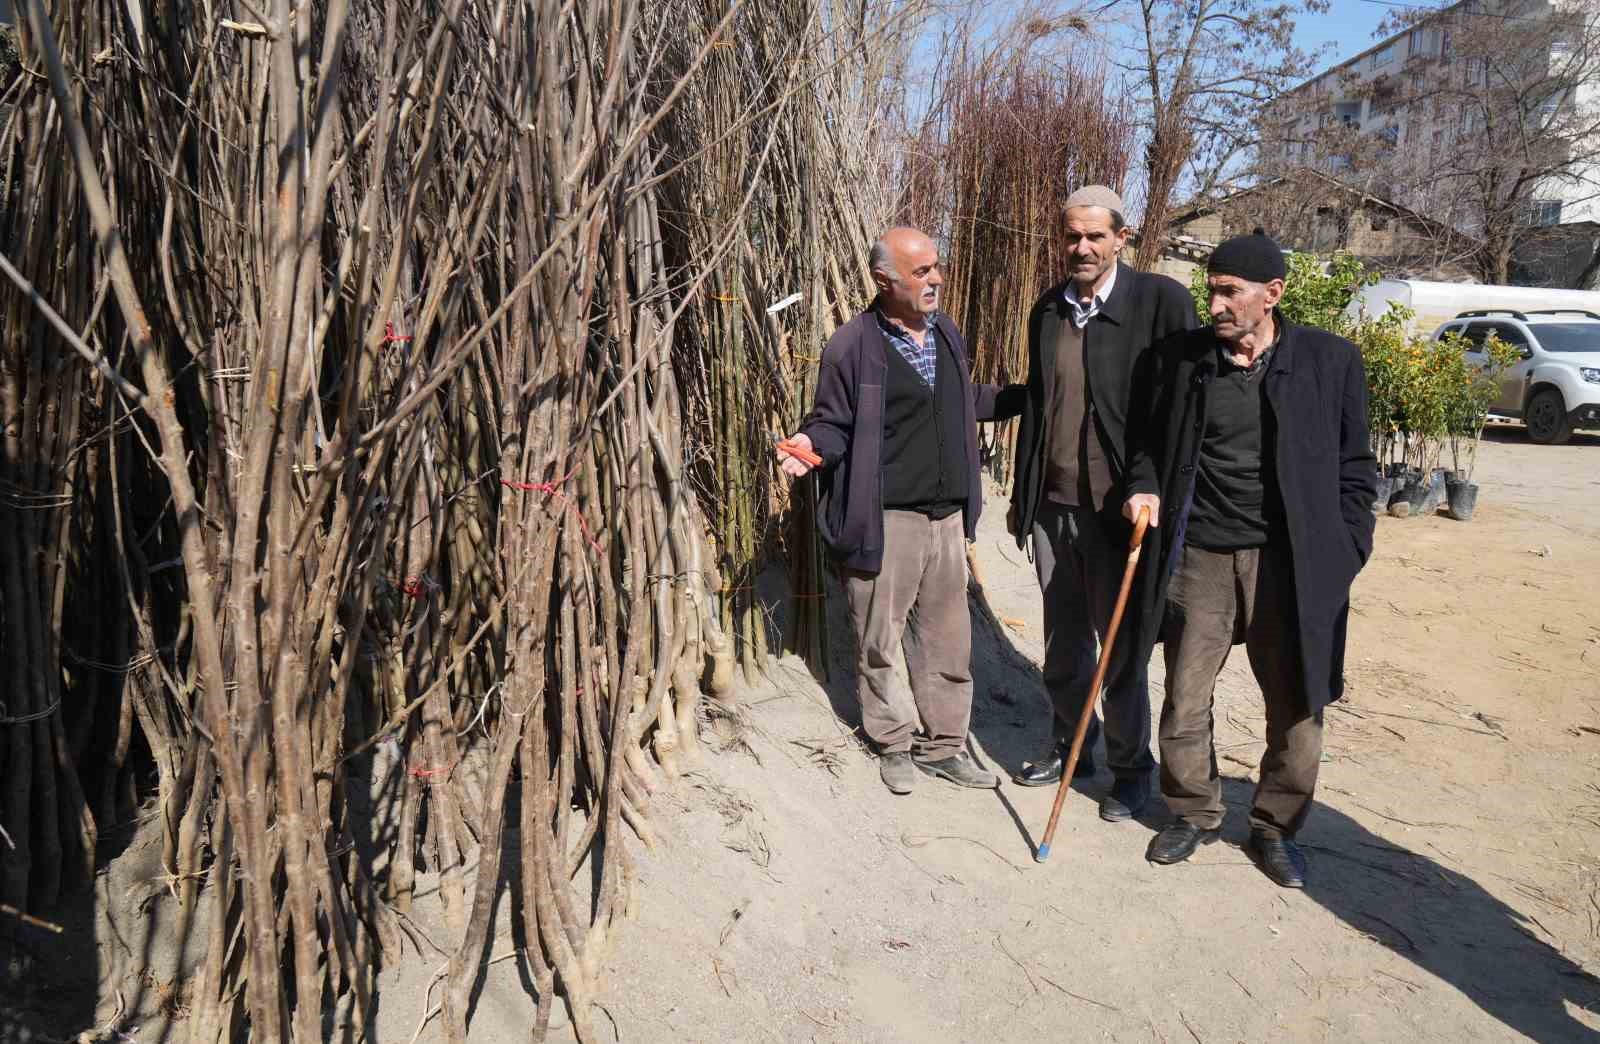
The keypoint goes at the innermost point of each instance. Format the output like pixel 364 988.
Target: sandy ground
pixel 1455 874
pixel 1455 847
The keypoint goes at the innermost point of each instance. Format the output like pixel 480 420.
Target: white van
pixel 1438 303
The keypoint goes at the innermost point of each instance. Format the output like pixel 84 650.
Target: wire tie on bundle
pixel 25 719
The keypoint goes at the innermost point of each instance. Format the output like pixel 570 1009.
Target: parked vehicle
pixel 1555 387
pixel 1435 303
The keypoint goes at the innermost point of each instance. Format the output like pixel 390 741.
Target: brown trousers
pixel 1217 600
pixel 918 601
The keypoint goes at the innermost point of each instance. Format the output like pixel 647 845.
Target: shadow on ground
pixel 1010 713
pixel 1437 918
pixel 1442 921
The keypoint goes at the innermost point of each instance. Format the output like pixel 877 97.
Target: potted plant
pixel 1418 424
pixel 1439 366
pixel 1384 356
pixel 1476 388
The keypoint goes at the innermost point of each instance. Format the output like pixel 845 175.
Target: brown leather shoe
pixel 897 772
pixel 960 770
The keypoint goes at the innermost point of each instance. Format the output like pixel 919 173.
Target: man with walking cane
pixel 1258 475
pixel 894 434
pixel 1084 337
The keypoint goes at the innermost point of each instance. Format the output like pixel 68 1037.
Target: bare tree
pixel 1309 210
pixel 1491 123
pixel 1206 70
pixel 1589 278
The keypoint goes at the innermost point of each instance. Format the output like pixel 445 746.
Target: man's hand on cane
pixel 1130 510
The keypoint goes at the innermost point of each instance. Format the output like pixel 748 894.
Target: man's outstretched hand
pixel 792 465
pixel 1130 510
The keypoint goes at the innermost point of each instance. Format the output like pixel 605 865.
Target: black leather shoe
pixel 1048 771
pixel 1177 842
pixel 1126 800
pixel 1280 859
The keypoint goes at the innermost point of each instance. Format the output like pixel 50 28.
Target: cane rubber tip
pixel 1041 855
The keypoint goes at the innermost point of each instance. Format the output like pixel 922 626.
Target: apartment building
pixel 1381 92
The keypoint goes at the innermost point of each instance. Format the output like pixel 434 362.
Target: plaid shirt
pixel 924 357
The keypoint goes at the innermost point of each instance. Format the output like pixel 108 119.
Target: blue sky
pixel 1348 26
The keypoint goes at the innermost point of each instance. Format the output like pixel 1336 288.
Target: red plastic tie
pixel 555 489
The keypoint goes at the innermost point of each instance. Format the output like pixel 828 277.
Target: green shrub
pixel 1311 296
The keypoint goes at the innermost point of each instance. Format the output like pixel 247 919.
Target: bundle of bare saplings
pixel 1021 124
pixel 385 391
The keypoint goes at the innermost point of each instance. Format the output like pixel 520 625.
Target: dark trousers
pixel 1217 600
pixel 917 604
pixel 1080 555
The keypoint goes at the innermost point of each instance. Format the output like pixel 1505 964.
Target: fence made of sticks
pixel 384 393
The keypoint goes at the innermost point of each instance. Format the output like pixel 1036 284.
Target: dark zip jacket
pixel 845 427
pixel 1316 389
pixel 1143 308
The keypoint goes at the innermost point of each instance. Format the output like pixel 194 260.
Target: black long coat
pixel 1143 308
pixel 1317 391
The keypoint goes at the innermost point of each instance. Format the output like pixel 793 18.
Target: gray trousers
pixel 1080 555
pixel 1218 599
pixel 918 602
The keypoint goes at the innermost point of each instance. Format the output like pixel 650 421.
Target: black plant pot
pixel 1463 499
pixel 1436 491
pixel 1415 493
pixel 1380 499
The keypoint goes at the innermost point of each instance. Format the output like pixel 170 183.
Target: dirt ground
pixel 1455 849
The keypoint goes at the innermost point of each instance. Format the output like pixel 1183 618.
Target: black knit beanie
pixel 1255 258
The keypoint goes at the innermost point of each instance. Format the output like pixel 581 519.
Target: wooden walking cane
pixel 1094 687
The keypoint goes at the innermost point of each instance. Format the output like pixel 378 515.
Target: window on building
pixel 1545 111
pixel 1543 212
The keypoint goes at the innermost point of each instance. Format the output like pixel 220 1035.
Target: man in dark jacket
pixel 895 423
pixel 1257 469
pixel 1085 336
